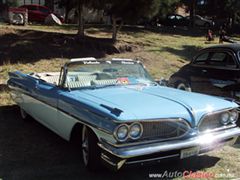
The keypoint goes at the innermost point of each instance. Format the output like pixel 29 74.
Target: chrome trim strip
pixel 157 140
pixel 154 120
pixel 216 112
pixel 218 129
pixel 212 113
pixel 106 159
pixel 152 159
pixel 147 149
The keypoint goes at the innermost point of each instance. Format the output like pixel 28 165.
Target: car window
pixel 179 17
pixel 201 59
pixel 222 59
pixel 44 10
pixel 31 8
pixel 171 17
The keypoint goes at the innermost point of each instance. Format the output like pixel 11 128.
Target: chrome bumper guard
pixel 117 156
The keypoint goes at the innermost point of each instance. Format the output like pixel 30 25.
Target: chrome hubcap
pixel 183 87
pixel 85 145
pixel 23 113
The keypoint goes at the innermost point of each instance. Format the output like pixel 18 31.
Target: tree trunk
pixel 116 27
pixel 80 19
pixel 193 12
pixel 114 33
pixel 67 11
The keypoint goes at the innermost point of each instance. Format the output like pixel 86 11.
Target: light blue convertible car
pixel 120 115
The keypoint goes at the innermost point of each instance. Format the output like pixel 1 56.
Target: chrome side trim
pixel 155 120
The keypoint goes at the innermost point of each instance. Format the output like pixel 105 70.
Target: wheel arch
pixel 76 132
pixel 175 79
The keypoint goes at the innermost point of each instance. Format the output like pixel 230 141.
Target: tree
pixel 68 5
pixel 167 6
pixel 80 5
pixel 233 9
pixel 123 11
pixel 12 3
pixel 126 11
pixel 192 6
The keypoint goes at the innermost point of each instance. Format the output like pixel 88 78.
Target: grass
pixel 162 51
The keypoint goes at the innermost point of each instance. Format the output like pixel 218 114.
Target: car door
pixel 46 110
pixel 45 107
pixel 198 73
pixel 222 72
pixel 43 13
pixel 32 13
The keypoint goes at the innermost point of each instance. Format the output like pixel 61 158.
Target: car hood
pixel 153 102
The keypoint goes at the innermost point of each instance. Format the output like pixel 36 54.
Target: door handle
pixel 204 71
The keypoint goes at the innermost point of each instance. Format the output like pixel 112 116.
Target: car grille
pixel 210 122
pixel 164 129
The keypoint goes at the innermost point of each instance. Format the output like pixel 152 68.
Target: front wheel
pixel 183 86
pixel 90 150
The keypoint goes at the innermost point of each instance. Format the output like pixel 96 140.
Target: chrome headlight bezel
pixel 225 118
pixel 140 128
pixel 128 129
pixel 116 132
pixel 234 115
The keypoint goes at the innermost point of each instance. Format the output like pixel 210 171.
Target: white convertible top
pixel 83 59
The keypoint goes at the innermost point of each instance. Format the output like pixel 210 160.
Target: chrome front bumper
pixel 117 156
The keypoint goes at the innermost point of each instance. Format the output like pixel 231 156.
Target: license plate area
pixel 185 153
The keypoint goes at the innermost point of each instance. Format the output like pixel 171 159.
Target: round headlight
pixel 225 118
pixel 122 132
pixel 233 116
pixel 135 131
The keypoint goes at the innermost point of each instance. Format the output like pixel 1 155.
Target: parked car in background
pixel 38 13
pixel 175 20
pixel 214 70
pixel 120 115
pixel 201 21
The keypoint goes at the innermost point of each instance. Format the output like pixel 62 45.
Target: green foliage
pixel 232 7
pixel 13 3
pixel 167 7
pixel 132 10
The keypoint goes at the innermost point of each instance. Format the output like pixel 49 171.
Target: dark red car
pixel 38 13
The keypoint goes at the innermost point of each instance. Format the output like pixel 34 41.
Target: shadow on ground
pixel 186 52
pixel 3 87
pixel 27 46
pixel 30 151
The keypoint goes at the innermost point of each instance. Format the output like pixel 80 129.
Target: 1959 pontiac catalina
pixel 119 114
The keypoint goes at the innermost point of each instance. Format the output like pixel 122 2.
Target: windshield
pixel 106 73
